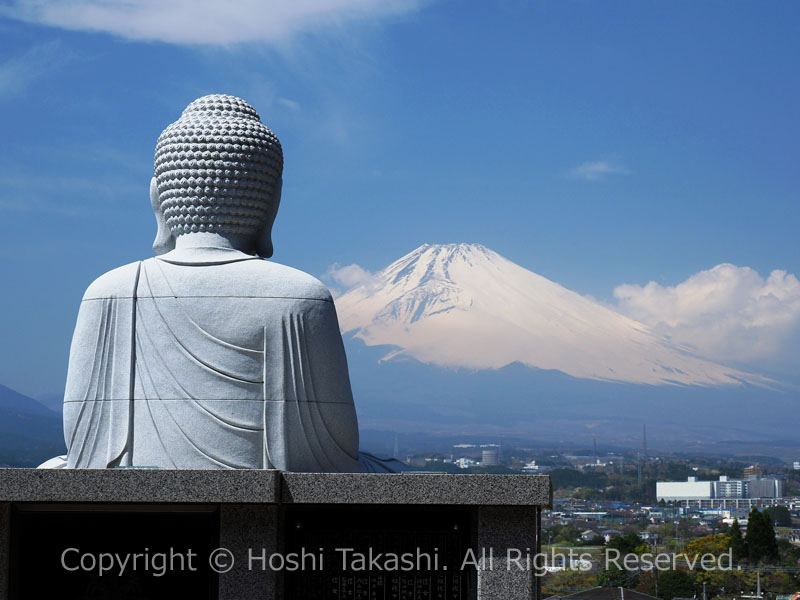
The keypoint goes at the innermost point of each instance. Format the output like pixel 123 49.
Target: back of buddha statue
pixel 208 356
pixel 230 365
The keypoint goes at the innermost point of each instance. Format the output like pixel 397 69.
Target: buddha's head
pixel 217 171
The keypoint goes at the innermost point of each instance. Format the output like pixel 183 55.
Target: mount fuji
pixel 455 339
pixel 465 306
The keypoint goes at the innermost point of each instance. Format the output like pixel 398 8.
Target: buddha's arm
pixel 99 377
pixel 331 360
pixel 316 421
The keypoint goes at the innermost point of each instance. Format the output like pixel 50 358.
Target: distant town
pixel 745 510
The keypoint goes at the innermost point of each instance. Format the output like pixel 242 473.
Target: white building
pixel 531 467
pixel 729 488
pixel 725 488
pixel 690 489
pixel 764 487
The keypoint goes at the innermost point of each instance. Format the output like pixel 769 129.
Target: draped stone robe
pixel 210 358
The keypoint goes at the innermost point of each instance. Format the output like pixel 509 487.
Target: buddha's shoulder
pixel 256 278
pixel 117 283
pixel 267 278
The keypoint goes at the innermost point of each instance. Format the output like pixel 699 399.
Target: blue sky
pixel 597 144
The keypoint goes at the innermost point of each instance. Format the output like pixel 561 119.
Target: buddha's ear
pixel 164 241
pixel 264 241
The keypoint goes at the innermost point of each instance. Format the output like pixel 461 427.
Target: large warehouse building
pixel 692 489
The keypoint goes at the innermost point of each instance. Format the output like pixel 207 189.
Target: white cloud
pixel 204 22
pixel 18 73
pixel 348 276
pixel 724 313
pixel 594 170
pixel 290 104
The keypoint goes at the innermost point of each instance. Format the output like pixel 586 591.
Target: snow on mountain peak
pixel 464 305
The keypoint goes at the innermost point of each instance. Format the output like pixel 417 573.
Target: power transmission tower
pixel 644 441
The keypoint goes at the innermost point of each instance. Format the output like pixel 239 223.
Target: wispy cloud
pixel 205 22
pixel 595 170
pixel 289 103
pixel 18 73
pixel 66 196
pixel 347 277
pixel 724 313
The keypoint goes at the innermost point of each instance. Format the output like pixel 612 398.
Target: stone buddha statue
pixel 207 356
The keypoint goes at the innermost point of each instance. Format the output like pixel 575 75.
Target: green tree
pixel 738 544
pixel 790 555
pixel 724 584
pixel 675 584
pixel 646 583
pixel 780 515
pixel 780 583
pixel 563 534
pixel 615 577
pixel 567 582
pixel 761 542
pixel 626 544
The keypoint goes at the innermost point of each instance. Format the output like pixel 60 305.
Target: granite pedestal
pixel 493 520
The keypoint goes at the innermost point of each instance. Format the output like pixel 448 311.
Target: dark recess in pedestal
pixel 39 537
pixel 445 532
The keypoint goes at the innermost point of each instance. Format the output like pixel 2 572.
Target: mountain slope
pixel 13 401
pixel 553 407
pixel 464 305
pixel 29 432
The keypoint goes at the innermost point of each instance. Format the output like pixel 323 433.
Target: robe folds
pixel 210 359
